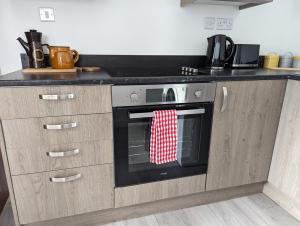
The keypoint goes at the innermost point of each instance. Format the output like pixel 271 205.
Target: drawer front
pixel 38 198
pixel 27 102
pixel 21 133
pixel 132 195
pixel 57 157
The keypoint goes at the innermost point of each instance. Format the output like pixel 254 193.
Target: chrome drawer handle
pixel 58 154
pixel 69 96
pixel 61 126
pixel 65 179
pixel 225 99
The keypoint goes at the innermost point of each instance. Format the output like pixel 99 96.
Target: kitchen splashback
pixel 135 61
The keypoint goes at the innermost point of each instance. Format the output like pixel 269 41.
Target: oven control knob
pixel 198 93
pixel 134 97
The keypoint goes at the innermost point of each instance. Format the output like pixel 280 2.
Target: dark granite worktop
pixel 102 77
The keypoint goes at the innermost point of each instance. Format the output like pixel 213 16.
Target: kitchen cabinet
pixel 242 4
pixel 245 121
pixel 284 177
pixel 39 197
pixel 41 139
pixel 63 156
pixel 43 101
pixel 57 147
pixel 82 128
pixel 149 192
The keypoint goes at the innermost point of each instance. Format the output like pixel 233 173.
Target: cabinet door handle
pixel 58 154
pixel 225 99
pixel 65 179
pixel 69 96
pixel 61 126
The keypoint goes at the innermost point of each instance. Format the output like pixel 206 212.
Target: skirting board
pixel 111 215
pixel 282 200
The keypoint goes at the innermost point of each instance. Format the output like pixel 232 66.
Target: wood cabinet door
pixel 285 168
pixel 244 130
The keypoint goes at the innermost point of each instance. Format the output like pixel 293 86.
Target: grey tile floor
pixel 255 210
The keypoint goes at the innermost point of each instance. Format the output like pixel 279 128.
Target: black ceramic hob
pixel 154 72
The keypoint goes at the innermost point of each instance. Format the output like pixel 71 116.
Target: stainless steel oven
pixel 133 108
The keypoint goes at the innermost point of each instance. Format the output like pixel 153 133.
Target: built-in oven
pixel 133 108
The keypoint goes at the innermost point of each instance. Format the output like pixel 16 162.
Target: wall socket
pixel 47 14
pixel 209 23
pixel 224 23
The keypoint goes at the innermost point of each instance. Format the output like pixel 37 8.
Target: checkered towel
pixel 163 142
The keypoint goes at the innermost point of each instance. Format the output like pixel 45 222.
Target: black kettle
pixel 218 52
pixel 34 48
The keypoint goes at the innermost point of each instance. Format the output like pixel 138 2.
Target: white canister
pixel 286 60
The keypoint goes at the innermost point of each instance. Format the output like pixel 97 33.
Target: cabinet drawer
pixel 38 198
pixel 57 157
pixel 41 101
pixel 142 193
pixel 20 133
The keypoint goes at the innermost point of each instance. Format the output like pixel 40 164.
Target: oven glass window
pixel 188 145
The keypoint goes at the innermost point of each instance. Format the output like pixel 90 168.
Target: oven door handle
pixel 180 112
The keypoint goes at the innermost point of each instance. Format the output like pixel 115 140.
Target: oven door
pixel 132 131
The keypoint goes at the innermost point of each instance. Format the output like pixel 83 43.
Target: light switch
pixel 47 14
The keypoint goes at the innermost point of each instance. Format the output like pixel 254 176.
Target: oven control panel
pixel 198 93
pixel 134 97
pixel 162 94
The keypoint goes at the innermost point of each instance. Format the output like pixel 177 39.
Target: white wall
pixel 274 25
pixel 142 26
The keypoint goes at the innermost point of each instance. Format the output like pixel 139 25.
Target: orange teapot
pixel 62 57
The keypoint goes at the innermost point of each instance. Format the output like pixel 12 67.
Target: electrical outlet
pixel 209 23
pixel 224 23
pixel 47 14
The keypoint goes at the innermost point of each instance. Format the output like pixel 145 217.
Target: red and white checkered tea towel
pixel 163 143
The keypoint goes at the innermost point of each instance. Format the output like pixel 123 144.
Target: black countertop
pixel 102 77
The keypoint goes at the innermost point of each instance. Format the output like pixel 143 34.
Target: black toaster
pixel 245 56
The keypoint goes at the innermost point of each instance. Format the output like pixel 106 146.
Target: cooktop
pixel 161 72
pixel 179 71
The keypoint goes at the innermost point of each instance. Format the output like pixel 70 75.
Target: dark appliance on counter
pixel 245 56
pixel 34 48
pixel 218 52
pixel 133 108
